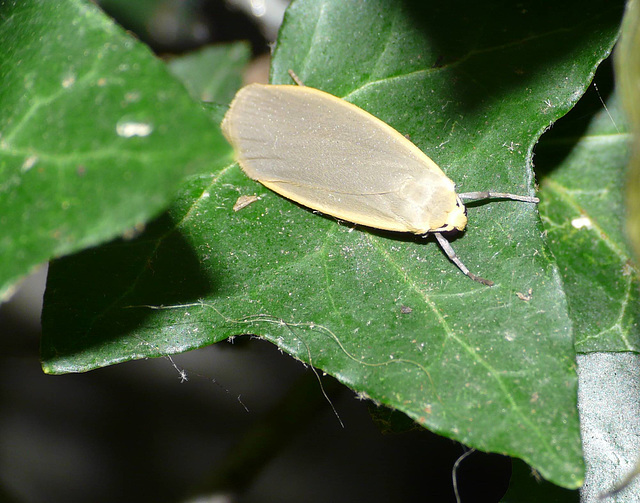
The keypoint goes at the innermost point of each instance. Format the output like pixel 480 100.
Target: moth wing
pixel 332 156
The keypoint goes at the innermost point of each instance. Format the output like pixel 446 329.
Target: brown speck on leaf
pixel 405 309
pixel 525 296
pixel 244 201
pixel 133 232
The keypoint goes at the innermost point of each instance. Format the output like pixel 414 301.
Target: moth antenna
pixel 477 196
pixel 446 247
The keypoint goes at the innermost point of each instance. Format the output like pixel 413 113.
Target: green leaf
pixel 474 86
pixel 96 134
pixel 213 73
pixel 582 205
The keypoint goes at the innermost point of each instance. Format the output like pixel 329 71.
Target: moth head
pixel 456 218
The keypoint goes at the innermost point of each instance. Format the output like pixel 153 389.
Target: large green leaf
pixel 583 212
pixel 96 133
pixel 474 87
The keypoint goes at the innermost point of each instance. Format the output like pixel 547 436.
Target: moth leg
pixel 295 78
pixel 477 196
pixel 446 247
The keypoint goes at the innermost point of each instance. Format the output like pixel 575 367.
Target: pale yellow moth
pixel 330 155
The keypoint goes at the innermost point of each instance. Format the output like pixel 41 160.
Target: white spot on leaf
pixel 68 81
pixel 130 129
pixel 28 163
pixel 582 222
